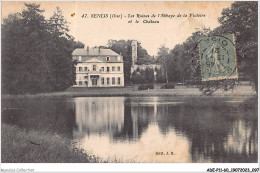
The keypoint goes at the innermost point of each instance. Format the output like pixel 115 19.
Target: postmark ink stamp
pixel 218 57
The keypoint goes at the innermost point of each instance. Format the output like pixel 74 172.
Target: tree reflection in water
pixel 217 129
pixel 200 129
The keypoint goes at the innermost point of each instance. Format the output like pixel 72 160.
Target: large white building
pixel 98 67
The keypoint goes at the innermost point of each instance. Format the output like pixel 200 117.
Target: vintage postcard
pixel 129 82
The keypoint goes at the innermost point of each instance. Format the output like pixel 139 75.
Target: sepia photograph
pixel 129 82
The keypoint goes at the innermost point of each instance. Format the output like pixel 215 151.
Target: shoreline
pixel 179 91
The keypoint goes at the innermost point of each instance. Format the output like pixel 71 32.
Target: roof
pixel 100 59
pixel 94 52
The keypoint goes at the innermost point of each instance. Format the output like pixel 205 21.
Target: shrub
pixel 138 79
pixel 168 86
pixel 145 86
pixel 150 86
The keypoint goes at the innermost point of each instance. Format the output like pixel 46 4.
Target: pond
pixel 146 129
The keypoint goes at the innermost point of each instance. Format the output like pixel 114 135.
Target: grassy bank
pixel 20 146
pixel 132 91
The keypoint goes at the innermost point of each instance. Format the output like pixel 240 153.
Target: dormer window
pixel 108 58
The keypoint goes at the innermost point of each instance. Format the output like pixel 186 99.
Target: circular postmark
pixel 218 57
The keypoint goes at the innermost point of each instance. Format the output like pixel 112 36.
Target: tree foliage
pixel 143 76
pixel 124 48
pixel 36 54
pixel 241 20
pixel 183 63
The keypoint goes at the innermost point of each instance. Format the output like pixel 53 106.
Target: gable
pixel 93 60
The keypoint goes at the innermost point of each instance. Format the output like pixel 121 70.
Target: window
pixel 113 81
pixel 113 68
pixel 80 68
pixel 102 69
pixel 108 81
pixel 108 59
pixel 85 68
pixel 80 82
pixel 94 67
pixel 85 77
pixel 102 81
pixel 118 81
pixel 86 83
pixel 107 68
pixel 118 68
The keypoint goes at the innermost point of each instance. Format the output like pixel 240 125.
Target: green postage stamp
pixel 218 57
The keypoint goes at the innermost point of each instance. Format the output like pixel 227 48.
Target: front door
pixel 94 81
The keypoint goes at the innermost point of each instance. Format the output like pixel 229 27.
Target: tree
pixel 138 77
pixel 36 55
pixel 241 20
pixel 142 56
pixel 62 44
pixel 163 53
pixel 124 48
pixel 149 75
pixel 24 38
pixel 11 27
pixel 58 24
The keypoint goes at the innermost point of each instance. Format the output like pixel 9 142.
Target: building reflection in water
pixel 99 115
pixel 134 129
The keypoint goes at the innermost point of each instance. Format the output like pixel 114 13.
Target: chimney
pixel 87 49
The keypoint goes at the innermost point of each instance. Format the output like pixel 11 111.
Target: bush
pixel 168 86
pixel 138 79
pixel 145 86
pixel 150 86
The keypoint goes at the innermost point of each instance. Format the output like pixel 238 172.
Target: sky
pixel 97 31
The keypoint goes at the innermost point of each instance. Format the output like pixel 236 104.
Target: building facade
pixel 98 67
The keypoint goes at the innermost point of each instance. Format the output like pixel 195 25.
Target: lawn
pixel 132 91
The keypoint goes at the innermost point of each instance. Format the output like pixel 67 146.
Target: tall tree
pixel 24 47
pixel 11 60
pixel 36 54
pixel 59 25
pixel 163 54
pixel 61 47
pixel 241 20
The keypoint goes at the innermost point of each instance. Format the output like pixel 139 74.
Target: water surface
pixel 146 129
